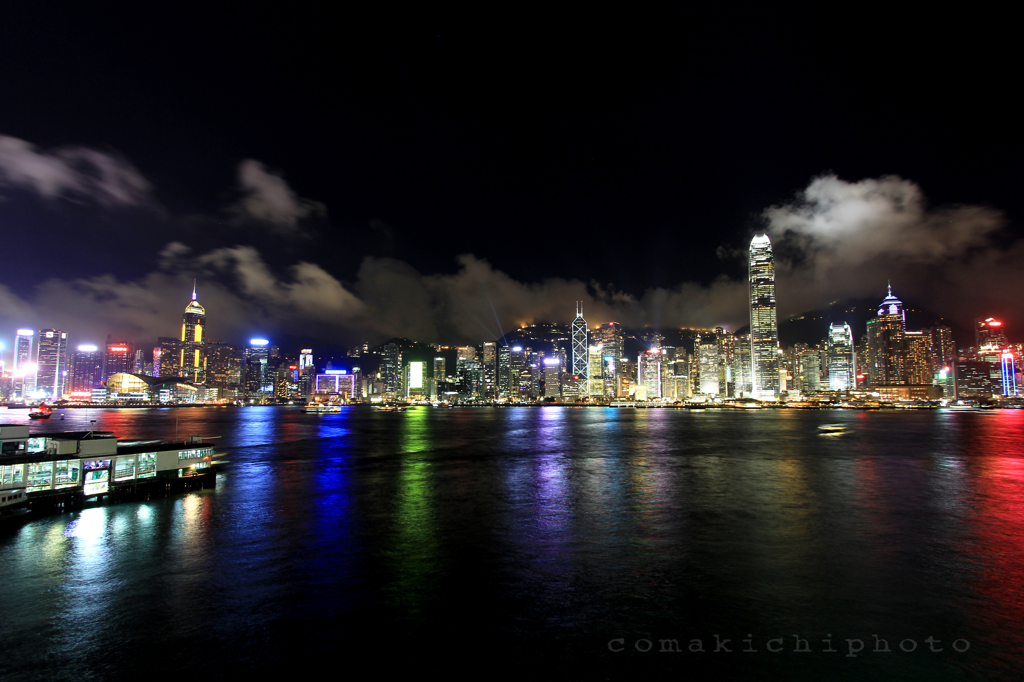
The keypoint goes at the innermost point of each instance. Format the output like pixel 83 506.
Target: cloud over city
pixel 73 173
pixel 836 239
pixel 267 198
pixel 840 239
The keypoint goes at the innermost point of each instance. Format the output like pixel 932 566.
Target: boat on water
pixel 832 428
pixel 322 408
pixel 41 412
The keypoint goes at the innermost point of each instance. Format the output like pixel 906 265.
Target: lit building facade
pixel 192 358
pixel 649 373
pixel 167 357
pixel 918 358
pixel 552 381
pixel 741 367
pixel 708 358
pixel 119 358
pixel 764 332
pixel 86 369
pixel 490 370
pixel 504 372
pixel 595 371
pixel 886 344
pixel 257 365
pixel 841 358
pixel 580 352
pixel 24 369
pixel 51 363
pixel 391 368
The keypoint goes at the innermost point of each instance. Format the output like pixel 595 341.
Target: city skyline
pixel 418 195
pixel 571 363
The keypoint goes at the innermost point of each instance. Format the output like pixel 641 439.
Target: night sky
pixel 325 176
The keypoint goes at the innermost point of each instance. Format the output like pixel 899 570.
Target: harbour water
pixel 550 541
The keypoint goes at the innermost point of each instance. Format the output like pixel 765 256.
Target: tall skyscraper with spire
pixel 886 343
pixel 580 352
pixel 764 330
pixel 193 341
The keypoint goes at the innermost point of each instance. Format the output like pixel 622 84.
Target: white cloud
pixel 269 199
pixel 74 173
pixel 843 239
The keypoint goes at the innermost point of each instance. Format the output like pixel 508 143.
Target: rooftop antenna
pixel 890 286
pixel 193 289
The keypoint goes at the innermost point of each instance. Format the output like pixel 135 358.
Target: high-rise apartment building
pixel 764 332
pixel 886 343
pixel 192 360
pixel 840 358
pixel 580 351
pixel 51 363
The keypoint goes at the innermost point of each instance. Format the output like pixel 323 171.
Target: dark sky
pixel 626 151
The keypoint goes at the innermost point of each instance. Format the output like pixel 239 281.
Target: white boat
pixel 322 408
pixel 832 428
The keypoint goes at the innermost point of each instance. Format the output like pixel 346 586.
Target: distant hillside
pixel 812 326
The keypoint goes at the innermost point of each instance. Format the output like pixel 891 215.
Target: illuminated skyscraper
pixel 24 369
pixel 257 375
pixel 193 344
pixel 595 363
pixel 918 359
pixel 842 365
pixel 225 368
pixel 649 372
pixel 490 369
pixel 764 332
pixel 989 332
pixel 391 368
pixel 707 353
pixel 167 357
pixel 580 352
pixel 51 363
pixel 886 344
pixel 307 371
pixel 741 368
pixel 519 374
pixel 552 383
pixel 86 369
pixel 118 359
pixel 504 372
pixel 943 350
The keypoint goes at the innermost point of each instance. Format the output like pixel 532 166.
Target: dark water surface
pixel 485 542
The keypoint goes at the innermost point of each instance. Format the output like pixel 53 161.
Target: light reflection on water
pixel 543 532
